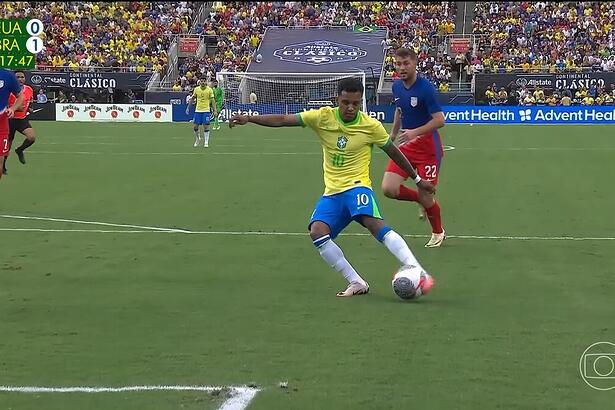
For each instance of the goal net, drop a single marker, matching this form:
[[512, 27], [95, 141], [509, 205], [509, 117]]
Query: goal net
[[279, 93]]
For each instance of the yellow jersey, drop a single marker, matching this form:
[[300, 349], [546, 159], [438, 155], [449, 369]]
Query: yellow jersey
[[346, 146], [203, 98]]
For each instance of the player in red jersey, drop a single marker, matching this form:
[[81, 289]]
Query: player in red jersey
[[20, 122], [420, 115], [8, 85]]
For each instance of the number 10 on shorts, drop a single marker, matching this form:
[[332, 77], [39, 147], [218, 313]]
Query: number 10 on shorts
[[362, 199]]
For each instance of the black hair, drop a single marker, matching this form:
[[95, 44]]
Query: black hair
[[19, 71], [350, 85]]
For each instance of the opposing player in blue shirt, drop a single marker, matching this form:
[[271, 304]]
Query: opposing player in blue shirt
[[419, 115], [8, 85]]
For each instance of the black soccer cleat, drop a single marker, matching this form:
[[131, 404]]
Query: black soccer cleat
[[20, 155]]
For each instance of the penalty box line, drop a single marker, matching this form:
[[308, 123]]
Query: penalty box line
[[240, 396]]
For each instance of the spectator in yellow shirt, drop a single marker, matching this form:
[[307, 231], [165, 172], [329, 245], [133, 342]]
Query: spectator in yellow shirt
[[539, 96]]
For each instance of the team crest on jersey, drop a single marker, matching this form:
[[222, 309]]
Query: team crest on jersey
[[414, 101], [341, 142]]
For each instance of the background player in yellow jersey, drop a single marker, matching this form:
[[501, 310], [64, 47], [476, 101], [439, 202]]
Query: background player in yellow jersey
[[347, 136], [204, 96]]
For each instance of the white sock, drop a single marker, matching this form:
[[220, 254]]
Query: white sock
[[334, 256], [398, 247], [196, 135], [207, 137]]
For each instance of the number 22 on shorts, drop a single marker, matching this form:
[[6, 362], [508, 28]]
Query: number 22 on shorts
[[431, 171]]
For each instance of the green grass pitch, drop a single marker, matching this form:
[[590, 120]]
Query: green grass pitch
[[504, 328]]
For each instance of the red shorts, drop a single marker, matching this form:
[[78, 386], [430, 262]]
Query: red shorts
[[427, 166], [4, 135]]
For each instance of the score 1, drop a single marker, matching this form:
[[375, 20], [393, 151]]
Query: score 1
[[34, 44]]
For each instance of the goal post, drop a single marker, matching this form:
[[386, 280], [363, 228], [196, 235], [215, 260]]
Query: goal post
[[280, 93]]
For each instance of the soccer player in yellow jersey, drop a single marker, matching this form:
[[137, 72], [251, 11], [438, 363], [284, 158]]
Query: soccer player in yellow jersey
[[347, 136], [204, 96]]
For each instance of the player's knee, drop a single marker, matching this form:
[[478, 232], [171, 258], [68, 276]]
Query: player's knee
[[427, 200], [390, 190], [318, 230], [196, 128]]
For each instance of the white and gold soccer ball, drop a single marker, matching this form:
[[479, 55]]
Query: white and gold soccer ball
[[411, 282]]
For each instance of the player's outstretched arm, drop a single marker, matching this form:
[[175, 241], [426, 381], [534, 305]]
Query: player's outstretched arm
[[268, 120], [400, 159]]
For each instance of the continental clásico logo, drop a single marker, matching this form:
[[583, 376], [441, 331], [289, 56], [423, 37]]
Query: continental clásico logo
[[319, 52]]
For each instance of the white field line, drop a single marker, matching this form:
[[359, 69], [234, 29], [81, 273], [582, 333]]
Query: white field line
[[75, 221], [239, 399], [305, 234], [75, 230], [155, 229]]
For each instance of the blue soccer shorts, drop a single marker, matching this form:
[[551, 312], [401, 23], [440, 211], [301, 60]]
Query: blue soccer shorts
[[201, 118], [339, 210]]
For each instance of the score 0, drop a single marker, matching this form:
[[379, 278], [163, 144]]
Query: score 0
[[34, 28]]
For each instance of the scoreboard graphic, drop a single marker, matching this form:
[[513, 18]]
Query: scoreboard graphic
[[20, 42]]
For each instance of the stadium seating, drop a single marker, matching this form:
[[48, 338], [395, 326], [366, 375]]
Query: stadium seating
[[544, 36], [240, 27], [82, 36]]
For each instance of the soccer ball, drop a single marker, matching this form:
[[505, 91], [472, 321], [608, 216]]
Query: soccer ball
[[411, 282]]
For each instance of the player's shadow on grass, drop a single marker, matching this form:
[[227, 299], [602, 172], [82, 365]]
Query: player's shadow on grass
[[423, 300]]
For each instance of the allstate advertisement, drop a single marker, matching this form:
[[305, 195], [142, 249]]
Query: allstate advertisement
[[454, 114]]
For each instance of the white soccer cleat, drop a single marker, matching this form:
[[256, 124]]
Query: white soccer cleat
[[197, 143], [436, 240], [205, 145], [354, 288]]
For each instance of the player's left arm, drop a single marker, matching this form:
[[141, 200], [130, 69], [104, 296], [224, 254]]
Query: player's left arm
[[400, 159], [382, 140], [267, 120]]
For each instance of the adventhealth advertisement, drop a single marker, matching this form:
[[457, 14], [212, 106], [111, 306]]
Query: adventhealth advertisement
[[114, 112], [530, 115], [454, 114]]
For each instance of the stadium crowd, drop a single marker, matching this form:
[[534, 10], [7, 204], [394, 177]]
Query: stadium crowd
[[540, 96], [240, 26], [544, 36], [513, 36], [81, 36]]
